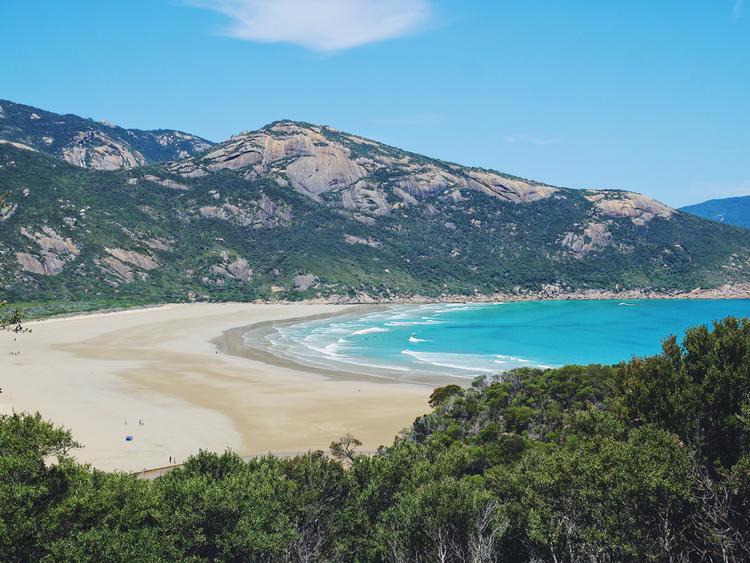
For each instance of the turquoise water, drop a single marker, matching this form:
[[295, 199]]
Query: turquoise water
[[466, 340]]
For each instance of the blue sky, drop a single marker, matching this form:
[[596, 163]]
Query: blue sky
[[636, 94]]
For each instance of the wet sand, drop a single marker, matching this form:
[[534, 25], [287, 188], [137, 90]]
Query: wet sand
[[171, 368]]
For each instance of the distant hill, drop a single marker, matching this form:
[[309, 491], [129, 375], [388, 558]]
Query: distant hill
[[93, 144], [295, 210], [730, 210]]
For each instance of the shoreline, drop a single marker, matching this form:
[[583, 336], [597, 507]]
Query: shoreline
[[550, 293], [557, 293], [232, 342], [184, 370], [103, 375]]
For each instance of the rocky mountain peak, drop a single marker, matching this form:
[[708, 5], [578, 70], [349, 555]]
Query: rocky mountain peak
[[366, 177], [296, 210], [93, 144]]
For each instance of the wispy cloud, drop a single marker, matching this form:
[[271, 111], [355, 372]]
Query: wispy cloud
[[320, 25], [737, 9], [530, 140]]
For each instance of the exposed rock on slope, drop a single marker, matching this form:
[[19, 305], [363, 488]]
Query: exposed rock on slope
[[595, 236], [125, 265], [17, 145], [303, 282], [92, 149], [638, 208], [295, 210], [264, 213], [238, 269], [93, 144], [132, 257], [359, 175], [54, 252]]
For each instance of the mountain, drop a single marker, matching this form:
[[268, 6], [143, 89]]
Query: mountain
[[295, 210], [730, 210], [93, 144]]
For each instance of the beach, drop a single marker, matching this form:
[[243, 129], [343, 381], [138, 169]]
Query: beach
[[162, 376]]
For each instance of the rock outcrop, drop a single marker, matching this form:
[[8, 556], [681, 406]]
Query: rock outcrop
[[93, 149], [54, 252], [7, 211], [116, 268], [296, 211], [640, 209], [368, 179], [17, 145], [125, 266], [303, 282], [595, 236], [93, 144], [166, 182], [236, 269], [263, 213], [134, 258], [351, 239]]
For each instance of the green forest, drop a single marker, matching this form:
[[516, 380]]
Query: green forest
[[176, 236], [648, 460]]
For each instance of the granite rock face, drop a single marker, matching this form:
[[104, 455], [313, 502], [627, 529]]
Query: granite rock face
[[93, 144], [264, 213], [595, 236], [640, 209], [52, 254], [365, 177], [303, 282], [92, 149], [295, 210]]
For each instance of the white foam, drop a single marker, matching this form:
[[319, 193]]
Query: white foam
[[466, 362], [427, 321], [511, 358], [370, 330], [415, 340]]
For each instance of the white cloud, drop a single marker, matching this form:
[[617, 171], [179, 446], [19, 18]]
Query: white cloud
[[320, 25]]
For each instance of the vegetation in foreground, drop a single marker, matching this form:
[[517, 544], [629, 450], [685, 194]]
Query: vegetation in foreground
[[645, 461]]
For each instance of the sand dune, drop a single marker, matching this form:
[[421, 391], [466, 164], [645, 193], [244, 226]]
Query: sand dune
[[100, 374]]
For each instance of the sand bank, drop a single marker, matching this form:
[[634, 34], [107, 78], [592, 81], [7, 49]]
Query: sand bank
[[101, 374]]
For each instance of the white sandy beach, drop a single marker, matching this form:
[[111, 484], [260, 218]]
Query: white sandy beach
[[99, 374]]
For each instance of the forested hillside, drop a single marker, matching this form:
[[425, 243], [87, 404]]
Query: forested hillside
[[92, 144], [644, 461], [730, 210], [298, 211]]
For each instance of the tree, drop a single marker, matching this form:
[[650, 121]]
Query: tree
[[36, 473], [345, 448], [583, 463], [696, 391], [442, 394], [9, 320], [619, 497]]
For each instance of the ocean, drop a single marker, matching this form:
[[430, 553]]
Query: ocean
[[409, 342]]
